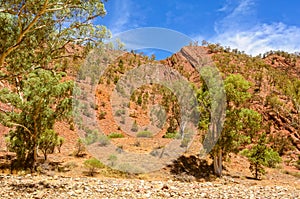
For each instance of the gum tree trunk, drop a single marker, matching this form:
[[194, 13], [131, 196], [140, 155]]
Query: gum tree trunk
[[218, 163]]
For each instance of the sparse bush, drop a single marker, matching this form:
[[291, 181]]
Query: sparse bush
[[80, 148], [94, 106], [102, 115], [173, 135], [47, 142], [119, 149], [112, 158], [116, 79], [72, 126], [118, 113], [134, 127], [139, 100], [60, 142], [116, 135], [92, 165], [91, 137], [144, 134], [103, 140], [154, 153], [185, 141]]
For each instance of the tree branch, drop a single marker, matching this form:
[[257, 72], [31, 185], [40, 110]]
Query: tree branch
[[22, 34], [20, 125]]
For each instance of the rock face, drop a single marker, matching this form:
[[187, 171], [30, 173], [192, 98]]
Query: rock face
[[269, 97], [61, 187]]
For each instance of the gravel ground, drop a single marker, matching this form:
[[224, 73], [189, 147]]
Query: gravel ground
[[66, 187]]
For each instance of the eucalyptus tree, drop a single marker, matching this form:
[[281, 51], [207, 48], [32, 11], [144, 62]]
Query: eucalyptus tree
[[33, 41], [240, 123]]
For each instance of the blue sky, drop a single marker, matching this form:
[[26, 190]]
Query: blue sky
[[253, 26]]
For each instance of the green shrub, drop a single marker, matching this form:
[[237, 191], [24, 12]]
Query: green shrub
[[103, 140], [92, 165], [261, 155], [47, 142], [112, 158], [139, 100], [60, 141], [80, 148], [116, 135], [102, 115], [144, 134], [173, 135], [272, 158], [91, 137]]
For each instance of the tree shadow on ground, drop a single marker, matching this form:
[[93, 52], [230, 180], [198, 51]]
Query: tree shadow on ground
[[191, 168]]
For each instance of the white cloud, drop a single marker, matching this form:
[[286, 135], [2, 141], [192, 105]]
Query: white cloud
[[262, 38], [240, 29], [121, 16], [238, 16]]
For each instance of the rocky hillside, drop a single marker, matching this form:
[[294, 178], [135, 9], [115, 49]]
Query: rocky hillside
[[275, 85], [275, 78]]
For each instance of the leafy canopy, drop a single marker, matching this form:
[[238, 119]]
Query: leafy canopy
[[38, 39], [34, 33]]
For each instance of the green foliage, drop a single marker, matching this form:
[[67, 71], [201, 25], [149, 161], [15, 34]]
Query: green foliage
[[102, 115], [144, 134], [47, 142], [249, 121], [60, 142], [35, 33], [44, 100], [112, 158], [93, 165], [139, 100], [236, 87], [240, 124], [280, 143], [173, 135], [33, 41], [204, 106], [79, 148], [260, 155], [272, 158], [91, 137], [116, 135]]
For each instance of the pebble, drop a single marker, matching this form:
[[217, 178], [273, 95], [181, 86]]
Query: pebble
[[30, 186]]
